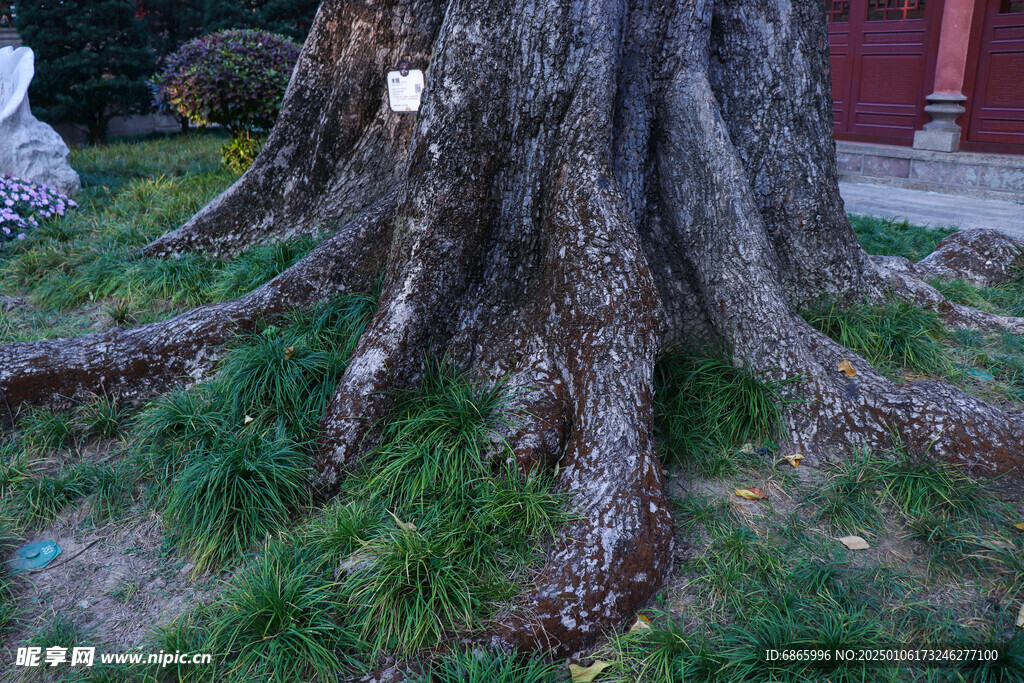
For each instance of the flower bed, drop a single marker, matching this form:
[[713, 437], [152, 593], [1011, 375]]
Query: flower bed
[[24, 205]]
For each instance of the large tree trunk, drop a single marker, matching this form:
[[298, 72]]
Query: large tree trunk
[[351, 150], [584, 182]]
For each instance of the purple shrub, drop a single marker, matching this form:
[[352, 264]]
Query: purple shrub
[[234, 78], [24, 205]]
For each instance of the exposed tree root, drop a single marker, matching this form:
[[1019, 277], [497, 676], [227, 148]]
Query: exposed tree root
[[982, 257], [603, 566], [986, 257], [144, 360], [539, 427], [735, 266], [872, 412]]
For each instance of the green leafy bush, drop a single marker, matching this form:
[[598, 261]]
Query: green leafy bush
[[239, 153], [234, 78]]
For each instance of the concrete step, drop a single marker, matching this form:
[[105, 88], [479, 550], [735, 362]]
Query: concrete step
[[966, 174], [8, 36]]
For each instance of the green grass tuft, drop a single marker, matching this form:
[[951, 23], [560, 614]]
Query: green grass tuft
[[924, 485], [256, 265], [60, 630], [103, 417], [112, 485], [413, 588], [46, 430], [16, 469], [9, 611], [235, 492], [849, 498], [345, 527], [189, 632], [705, 405], [229, 455], [665, 652], [278, 621], [41, 498], [897, 238], [436, 438], [894, 337], [176, 423], [1008, 667], [1005, 299], [437, 531], [465, 666]]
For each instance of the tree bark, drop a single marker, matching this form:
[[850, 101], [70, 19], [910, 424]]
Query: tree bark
[[351, 150], [583, 182]]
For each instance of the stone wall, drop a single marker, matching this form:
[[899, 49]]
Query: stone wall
[[987, 176], [75, 135]]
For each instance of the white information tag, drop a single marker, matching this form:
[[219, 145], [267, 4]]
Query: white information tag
[[404, 92]]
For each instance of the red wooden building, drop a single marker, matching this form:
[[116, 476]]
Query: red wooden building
[[940, 75]]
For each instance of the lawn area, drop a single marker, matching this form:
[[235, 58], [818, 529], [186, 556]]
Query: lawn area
[[187, 523]]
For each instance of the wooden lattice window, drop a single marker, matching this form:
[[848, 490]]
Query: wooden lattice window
[[895, 10], [838, 10], [1011, 7]]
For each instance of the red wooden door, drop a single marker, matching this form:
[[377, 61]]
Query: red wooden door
[[841, 58], [997, 107], [883, 61]]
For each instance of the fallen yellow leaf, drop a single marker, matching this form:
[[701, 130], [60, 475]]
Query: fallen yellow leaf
[[1020, 617], [1020, 526], [587, 674], [289, 351], [847, 367], [751, 494], [405, 526], [854, 542], [794, 459], [642, 624]]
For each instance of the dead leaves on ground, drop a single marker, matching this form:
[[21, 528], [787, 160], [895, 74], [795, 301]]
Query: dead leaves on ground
[[404, 526], [586, 674], [794, 459], [642, 623], [847, 367], [751, 494], [854, 542]]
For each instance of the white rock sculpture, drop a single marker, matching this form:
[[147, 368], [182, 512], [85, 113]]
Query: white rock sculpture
[[29, 149]]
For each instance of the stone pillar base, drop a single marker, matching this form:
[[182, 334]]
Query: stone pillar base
[[941, 134]]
